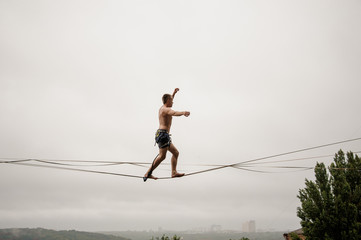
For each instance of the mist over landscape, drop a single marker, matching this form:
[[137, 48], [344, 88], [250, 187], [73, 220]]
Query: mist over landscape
[[81, 84]]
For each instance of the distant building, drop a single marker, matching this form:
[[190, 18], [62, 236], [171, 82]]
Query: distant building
[[249, 226], [216, 228], [298, 232]]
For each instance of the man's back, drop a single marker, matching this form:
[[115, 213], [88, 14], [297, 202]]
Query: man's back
[[165, 118]]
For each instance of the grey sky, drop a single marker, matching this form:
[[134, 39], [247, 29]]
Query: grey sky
[[84, 80]]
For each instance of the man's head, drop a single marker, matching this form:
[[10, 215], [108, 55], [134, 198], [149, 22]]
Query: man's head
[[167, 100]]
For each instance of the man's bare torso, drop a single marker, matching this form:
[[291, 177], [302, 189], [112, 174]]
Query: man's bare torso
[[165, 119]]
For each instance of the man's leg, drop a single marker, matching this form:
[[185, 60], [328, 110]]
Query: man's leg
[[161, 156], [174, 161]]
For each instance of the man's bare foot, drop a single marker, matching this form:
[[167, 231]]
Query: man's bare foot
[[177, 174], [146, 176], [152, 177]]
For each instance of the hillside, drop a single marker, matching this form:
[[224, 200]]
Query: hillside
[[44, 234], [143, 235]]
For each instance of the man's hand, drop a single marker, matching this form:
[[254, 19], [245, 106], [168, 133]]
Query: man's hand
[[187, 113]]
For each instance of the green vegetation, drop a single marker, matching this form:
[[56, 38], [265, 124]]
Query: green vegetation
[[331, 205], [164, 237], [141, 235], [43, 234], [294, 236]]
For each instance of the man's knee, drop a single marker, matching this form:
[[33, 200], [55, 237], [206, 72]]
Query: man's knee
[[161, 157]]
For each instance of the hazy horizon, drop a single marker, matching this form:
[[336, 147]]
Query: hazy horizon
[[84, 80]]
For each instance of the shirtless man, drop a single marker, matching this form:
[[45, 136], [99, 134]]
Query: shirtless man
[[162, 136]]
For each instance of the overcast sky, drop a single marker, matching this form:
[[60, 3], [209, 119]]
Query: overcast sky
[[84, 80]]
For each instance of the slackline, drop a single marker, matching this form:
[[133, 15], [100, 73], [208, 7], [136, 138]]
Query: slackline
[[245, 165]]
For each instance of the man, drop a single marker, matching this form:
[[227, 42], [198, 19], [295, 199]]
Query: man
[[162, 136]]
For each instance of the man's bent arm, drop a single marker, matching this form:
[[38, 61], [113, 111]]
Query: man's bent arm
[[175, 91]]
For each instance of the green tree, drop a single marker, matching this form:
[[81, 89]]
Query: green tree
[[294, 236], [331, 205], [164, 237], [175, 237]]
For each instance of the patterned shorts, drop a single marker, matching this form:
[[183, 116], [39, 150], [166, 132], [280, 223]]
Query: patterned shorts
[[162, 138]]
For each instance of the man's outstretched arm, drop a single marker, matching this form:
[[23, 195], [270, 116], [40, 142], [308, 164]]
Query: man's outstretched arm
[[177, 114]]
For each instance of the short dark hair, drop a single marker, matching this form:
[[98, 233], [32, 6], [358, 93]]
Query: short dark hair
[[165, 98]]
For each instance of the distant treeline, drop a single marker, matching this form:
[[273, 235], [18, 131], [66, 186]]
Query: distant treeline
[[44, 234], [143, 235]]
